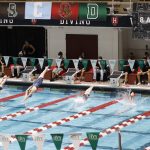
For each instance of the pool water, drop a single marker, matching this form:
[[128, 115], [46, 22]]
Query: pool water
[[134, 137]]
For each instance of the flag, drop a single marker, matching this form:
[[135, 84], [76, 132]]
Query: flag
[[38, 10], [93, 62], [65, 10], [24, 60], [131, 63], [22, 141], [41, 61], [112, 63], [93, 11], [4, 139], [58, 62], [75, 137], [6, 58], [76, 61], [57, 139]]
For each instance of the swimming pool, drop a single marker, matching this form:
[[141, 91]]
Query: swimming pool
[[134, 137]]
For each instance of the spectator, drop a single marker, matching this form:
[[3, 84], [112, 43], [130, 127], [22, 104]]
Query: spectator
[[60, 55], [2, 66], [28, 49], [143, 71], [146, 55], [131, 56]]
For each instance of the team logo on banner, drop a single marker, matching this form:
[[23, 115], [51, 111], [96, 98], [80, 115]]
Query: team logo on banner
[[114, 20], [12, 11], [131, 63], [65, 10], [38, 10]]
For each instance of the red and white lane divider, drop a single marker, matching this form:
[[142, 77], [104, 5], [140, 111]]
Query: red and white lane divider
[[32, 109], [5, 99], [68, 119], [147, 148], [113, 128]]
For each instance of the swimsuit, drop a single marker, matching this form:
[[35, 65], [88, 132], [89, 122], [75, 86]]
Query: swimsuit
[[38, 82]]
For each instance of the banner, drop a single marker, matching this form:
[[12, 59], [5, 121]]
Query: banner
[[50, 61], [76, 61], [65, 10], [93, 139], [85, 63], [6, 58], [15, 60], [75, 137], [93, 11], [148, 60], [66, 63], [121, 64], [112, 63], [24, 61], [102, 63], [41, 61], [22, 141], [57, 139], [39, 140], [131, 63], [38, 10], [32, 61], [58, 62], [93, 63], [4, 139]]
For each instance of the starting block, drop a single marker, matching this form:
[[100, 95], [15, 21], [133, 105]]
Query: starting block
[[115, 78]]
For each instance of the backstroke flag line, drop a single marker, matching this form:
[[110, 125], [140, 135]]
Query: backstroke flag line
[[93, 62], [131, 63], [24, 61], [6, 58], [112, 63], [4, 139], [76, 61], [22, 141]]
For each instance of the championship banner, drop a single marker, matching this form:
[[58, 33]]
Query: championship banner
[[93, 139], [57, 139], [24, 60], [4, 139], [41, 61], [58, 62], [112, 63], [39, 140], [12, 10], [22, 141], [76, 61], [93, 63], [38, 10], [93, 11], [131, 63], [6, 58], [75, 137], [65, 10]]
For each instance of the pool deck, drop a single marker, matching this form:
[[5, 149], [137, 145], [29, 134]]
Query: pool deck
[[83, 85]]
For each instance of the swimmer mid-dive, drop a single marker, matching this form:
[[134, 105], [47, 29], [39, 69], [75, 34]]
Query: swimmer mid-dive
[[87, 93], [36, 84], [3, 81]]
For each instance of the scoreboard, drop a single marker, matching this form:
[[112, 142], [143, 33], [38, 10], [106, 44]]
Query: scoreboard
[[141, 20]]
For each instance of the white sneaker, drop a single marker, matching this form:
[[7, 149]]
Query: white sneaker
[[139, 83]]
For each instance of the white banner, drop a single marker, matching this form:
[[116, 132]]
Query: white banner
[[41, 61], [24, 61], [6, 58], [58, 62], [76, 61], [39, 140], [93, 63], [4, 139], [38, 10], [75, 137], [131, 63], [112, 63], [148, 60]]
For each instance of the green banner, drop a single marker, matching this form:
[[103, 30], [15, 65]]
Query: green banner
[[85, 63], [93, 139], [50, 62], [141, 63], [32, 61], [15, 60], [66, 63], [22, 141], [57, 139], [122, 62], [103, 63], [94, 11]]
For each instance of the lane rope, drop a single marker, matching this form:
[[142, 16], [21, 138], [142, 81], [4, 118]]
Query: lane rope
[[68, 119], [113, 129], [32, 109]]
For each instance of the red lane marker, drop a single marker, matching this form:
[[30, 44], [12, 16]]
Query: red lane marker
[[36, 108], [114, 128], [5, 99]]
